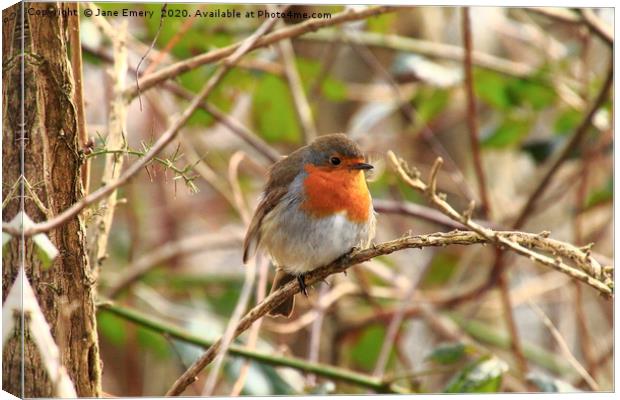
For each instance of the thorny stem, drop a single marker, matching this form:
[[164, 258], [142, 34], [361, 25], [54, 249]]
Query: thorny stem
[[167, 163]]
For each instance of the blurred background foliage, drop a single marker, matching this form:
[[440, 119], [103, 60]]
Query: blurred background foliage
[[524, 118]]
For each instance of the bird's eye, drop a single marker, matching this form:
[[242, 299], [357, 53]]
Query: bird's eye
[[334, 160]]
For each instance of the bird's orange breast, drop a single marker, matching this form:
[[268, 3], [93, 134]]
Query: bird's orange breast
[[330, 191]]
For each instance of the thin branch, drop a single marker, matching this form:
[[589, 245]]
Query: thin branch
[[386, 206], [233, 179], [78, 98], [159, 145], [302, 107], [165, 162], [243, 132], [427, 48], [156, 257], [410, 115], [557, 14], [148, 51], [515, 340], [117, 125], [324, 303], [563, 154], [489, 335], [396, 323], [564, 347], [598, 27], [288, 32], [261, 292], [229, 333], [472, 120], [325, 370], [595, 276]]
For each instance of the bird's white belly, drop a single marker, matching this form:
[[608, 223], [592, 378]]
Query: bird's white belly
[[299, 243]]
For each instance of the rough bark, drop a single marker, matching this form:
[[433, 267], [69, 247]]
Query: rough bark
[[52, 159]]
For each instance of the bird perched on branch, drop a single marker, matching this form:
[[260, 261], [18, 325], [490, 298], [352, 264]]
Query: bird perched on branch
[[315, 208]]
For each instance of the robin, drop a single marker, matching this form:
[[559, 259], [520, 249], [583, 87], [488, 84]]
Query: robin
[[315, 208]]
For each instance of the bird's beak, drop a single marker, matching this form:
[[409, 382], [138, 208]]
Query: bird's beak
[[361, 166]]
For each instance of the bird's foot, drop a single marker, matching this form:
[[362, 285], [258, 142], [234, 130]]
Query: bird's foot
[[302, 284], [346, 256]]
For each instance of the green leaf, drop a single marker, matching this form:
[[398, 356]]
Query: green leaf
[[504, 93], [154, 341], [509, 133], [567, 122], [273, 111], [490, 87], [334, 89], [533, 92], [441, 269], [601, 195], [539, 149], [112, 328], [449, 353], [383, 23], [481, 376], [368, 346], [429, 102]]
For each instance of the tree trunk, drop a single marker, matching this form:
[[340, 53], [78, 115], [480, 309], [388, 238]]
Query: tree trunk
[[52, 160]]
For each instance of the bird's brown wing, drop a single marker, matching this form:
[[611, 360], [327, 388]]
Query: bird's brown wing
[[281, 175], [252, 237]]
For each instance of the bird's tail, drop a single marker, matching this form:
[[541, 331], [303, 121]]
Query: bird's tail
[[285, 309]]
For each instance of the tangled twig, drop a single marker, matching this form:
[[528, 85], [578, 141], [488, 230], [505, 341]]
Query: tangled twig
[[586, 269]]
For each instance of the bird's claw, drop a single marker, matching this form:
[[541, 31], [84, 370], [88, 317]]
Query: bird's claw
[[302, 284]]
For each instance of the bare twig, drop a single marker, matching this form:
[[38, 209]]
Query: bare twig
[[472, 120], [78, 98], [501, 241], [427, 48], [288, 32], [557, 14], [563, 154], [387, 206], [396, 323], [556, 162], [243, 132], [261, 292], [598, 27], [117, 124], [233, 179], [178, 35], [154, 258], [151, 47], [564, 347], [302, 107], [515, 340], [410, 115], [229, 333], [324, 303]]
